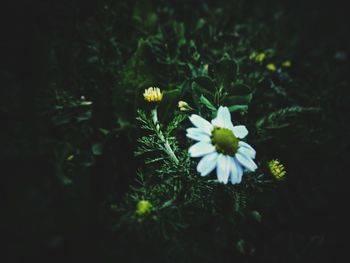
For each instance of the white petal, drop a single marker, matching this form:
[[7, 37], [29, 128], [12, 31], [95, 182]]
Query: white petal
[[201, 148], [218, 122], [198, 135], [239, 170], [246, 161], [246, 145], [246, 151], [223, 168], [240, 131], [207, 164], [225, 115], [223, 118], [201, 123], [193, 130], [233, 171]]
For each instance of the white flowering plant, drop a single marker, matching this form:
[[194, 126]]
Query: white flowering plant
[[193, 126], [199, 160], [174, 131], [203, 146]]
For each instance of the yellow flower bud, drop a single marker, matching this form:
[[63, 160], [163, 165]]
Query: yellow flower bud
[[153, 94], [252, 55], [271, 67], [143, 207], [260, 57], [183, 106], [286, 64], [277, 169]]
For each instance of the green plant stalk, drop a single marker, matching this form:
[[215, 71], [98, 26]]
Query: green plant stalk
[[167, 147]]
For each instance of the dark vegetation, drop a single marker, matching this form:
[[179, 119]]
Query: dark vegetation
[[66, 163]]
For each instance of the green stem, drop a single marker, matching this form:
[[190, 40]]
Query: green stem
[[167, 147]]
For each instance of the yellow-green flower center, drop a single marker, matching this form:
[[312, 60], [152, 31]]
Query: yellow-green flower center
[[224, 141]]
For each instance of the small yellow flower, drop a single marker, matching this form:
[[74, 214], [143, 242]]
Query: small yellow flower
[[257, 57], [153, 94], [183, 106], [277, 169], [271, 67], [286, 64], [252, 55], [260, 57], [143, 207]]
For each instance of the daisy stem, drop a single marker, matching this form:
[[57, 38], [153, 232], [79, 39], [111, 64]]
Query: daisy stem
[[167, 147]]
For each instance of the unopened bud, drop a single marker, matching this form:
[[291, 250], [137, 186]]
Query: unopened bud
[[183, 106]]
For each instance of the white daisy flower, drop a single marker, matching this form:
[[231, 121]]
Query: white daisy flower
[[219, 146]]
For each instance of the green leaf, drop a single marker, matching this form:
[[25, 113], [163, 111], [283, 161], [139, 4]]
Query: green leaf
[[97, 148], [240, 89], [171, 94], [84, 116], [170, 97], [207, 103], [198, 90], [240, 246], [65, 180], [86, 103], [174, 123], [241, 95], [244, 247], [192, 71], [167, 203], [240, 99], [256, 216], [87, 160], [205, 82], [243, 108], [201, 22], [104, 131]]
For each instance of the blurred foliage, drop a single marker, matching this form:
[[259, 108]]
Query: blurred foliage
[[73, 74]]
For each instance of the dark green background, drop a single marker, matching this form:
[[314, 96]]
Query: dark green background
[[43, 45]]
